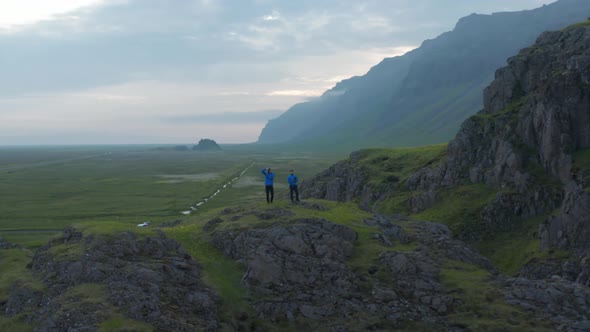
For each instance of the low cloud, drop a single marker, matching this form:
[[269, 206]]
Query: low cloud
[[298, 93], [227, 117], [128, 68]]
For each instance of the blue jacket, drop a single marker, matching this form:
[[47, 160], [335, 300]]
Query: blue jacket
[[268, 177], [292, 179]]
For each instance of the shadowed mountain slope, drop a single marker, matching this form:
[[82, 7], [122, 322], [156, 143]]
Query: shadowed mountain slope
[[423, 96]]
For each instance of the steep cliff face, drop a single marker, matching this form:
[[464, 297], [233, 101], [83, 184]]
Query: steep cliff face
[[345, 181], [536, 116], [524, 143], [423, 96]]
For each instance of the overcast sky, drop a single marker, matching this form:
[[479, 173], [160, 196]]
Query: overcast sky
[[163, 71]]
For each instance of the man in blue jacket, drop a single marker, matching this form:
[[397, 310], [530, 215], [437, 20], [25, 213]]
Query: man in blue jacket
[[293, 185], [269, 177]]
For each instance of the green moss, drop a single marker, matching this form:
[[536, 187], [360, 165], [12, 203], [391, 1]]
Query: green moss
[[31, 239], [219, 272], [96, 294], [510, 251], [511, 110], [458, 207], [388, 169], [481, 306], [542, 177], [366, 248], [387, 166], [581, 166], [67, 252], [398, 203], [347, 214], [15, 324], [224, 274], [13, 268], [119, 323], [584, 24], [86, 293]]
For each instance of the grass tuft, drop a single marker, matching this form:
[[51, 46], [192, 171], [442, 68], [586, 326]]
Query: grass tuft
[[480, 306], [13, 268], [120, 323], [387, 166], [459, 207]]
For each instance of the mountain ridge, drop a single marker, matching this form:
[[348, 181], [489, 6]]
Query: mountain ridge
[[522, 163], [421, 97]]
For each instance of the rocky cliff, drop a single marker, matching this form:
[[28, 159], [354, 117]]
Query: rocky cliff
[[378, 272], [318, 266], [536, 117], [423, 96], [527, 146]]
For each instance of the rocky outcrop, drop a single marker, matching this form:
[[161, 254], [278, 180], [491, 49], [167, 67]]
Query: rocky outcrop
[[565, 303], [8, 245], [345, 181], [299, 269], [535, 117], [575, 269], [570, 230], [150, 279], [341, 182]]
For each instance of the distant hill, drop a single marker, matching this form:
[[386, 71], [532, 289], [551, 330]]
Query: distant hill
[[423, 96], [206, 144]]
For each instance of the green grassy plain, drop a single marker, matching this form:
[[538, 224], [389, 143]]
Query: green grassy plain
[[128, 184], [109, 189], [116, 188]]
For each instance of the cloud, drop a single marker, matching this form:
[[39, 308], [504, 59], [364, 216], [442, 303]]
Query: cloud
[[226, 117], [125, 66], [272, 17], [298, 93]]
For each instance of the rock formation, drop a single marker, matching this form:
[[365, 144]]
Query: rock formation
[[206, 144], [298, 269], [152, 280], [536, 116]]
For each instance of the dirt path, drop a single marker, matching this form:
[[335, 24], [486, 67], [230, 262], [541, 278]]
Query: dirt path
[[218, 191]]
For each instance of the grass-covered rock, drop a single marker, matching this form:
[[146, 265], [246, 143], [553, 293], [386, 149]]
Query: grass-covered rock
[[323, 265], [94, 281]]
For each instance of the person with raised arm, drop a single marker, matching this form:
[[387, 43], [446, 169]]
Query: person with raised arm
[[269, 177]]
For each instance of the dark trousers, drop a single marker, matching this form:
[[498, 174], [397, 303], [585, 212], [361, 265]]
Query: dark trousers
[[270, 194], [293, 189]]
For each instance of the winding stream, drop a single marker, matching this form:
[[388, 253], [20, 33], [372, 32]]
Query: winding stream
[[218, 191]]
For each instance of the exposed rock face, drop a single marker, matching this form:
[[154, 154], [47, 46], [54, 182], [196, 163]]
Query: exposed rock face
[[571, 229], [574, 269], [299, 270], [151, 280], [422, 97], [564, 302], [7, 245], [343, 182], [536, 116]]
